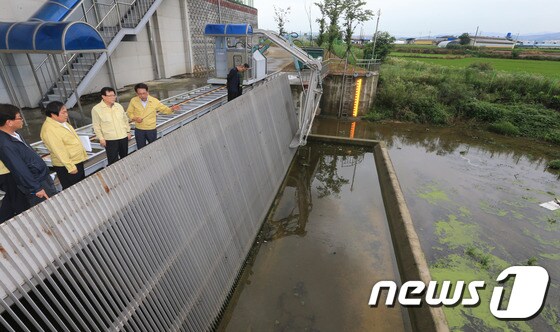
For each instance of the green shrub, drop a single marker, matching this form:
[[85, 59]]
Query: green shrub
[[504, 128], [515, 104], [377, 115], [553, 136], [554, 164], [483, 66], [485, 111]]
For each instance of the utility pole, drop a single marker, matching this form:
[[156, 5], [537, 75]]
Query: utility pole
[[475, 34], [375, 35]]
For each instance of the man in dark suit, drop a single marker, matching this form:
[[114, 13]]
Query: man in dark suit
[[234, 81], [29, 171]]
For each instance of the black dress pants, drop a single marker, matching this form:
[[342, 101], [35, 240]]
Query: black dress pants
[[115, 149], [15, 201], [66, 179]]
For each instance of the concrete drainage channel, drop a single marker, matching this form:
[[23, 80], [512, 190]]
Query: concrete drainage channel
[[338, 225]]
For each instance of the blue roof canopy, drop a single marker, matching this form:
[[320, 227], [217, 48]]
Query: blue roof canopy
[[49, 37], [225, 30], [54, 10]]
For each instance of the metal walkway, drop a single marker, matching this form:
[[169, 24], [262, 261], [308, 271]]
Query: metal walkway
[[194, 104]]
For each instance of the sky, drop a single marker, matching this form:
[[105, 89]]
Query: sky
[[409, 18]]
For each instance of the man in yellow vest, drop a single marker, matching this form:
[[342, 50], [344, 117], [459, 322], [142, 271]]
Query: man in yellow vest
[[67, 152], [143, 110], [111, 126]]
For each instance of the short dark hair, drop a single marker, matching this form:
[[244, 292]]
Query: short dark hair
[[7, 112], [140, 86], [246, 65], [53, 107], [107, 89]]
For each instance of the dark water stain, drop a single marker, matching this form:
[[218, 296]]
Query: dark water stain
[[474, 199], [322, 248]]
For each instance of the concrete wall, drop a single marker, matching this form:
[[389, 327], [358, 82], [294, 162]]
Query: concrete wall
[[332, 93], [409, 254], [15, 11], [162, 234]]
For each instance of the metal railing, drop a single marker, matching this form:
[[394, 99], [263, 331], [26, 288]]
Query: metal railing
[[52, 74], [155, 241]]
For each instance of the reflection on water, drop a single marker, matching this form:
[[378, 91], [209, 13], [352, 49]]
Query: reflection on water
[[324, 245], [474, 199], [296, 202]]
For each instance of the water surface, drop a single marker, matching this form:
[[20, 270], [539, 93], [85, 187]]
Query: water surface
[[474, 198]]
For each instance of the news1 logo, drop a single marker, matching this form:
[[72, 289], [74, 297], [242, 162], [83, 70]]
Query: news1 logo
[[525, 300]]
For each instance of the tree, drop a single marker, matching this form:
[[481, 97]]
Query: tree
[[465, 39], [383, 46], [280, 18], [321, 37], [332, 9], [354, 14]]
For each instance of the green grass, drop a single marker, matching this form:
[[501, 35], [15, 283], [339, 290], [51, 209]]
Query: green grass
[[413, 46], [422, 55], [550, 69]]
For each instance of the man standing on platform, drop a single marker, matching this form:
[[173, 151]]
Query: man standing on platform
[[67, 152], [234, 81], [143, 110], [14, 201], [29, 171], [111, 126]]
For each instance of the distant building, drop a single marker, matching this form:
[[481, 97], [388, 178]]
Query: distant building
[[421, 41], [482, 41], [440, 39], [445, 43]]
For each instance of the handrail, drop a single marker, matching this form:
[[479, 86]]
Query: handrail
[[112, 13]]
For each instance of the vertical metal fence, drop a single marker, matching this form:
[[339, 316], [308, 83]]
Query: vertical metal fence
[[154, 242]]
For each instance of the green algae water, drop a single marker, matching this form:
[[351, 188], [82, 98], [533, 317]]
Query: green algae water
[[474, 198]]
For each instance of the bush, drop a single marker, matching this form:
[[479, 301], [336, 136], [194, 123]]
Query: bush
[[554, 164], [483, 66], [484, 111], [504, 128], [377, 116], [553, 136], [514, 104]]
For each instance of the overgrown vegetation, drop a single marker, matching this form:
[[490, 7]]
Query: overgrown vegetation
[[554, 164], [510, 104], [383, 47]]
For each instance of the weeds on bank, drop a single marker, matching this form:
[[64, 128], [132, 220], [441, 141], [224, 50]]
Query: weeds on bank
[[509, 104]]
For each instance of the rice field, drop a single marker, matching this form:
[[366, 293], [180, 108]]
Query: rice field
[[549, 69]]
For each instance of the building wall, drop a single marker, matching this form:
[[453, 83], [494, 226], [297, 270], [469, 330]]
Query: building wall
[[210, 12], [177, 33], [15, 11]]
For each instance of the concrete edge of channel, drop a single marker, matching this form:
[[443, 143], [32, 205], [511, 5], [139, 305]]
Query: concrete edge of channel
[[410, 256]]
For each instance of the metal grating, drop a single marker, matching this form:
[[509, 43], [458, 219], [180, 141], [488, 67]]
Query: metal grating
[[155, 241]]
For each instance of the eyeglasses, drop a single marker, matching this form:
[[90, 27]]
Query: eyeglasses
[[110, 95]]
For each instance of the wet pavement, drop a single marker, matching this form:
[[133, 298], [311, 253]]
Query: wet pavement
[[325, 244]]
